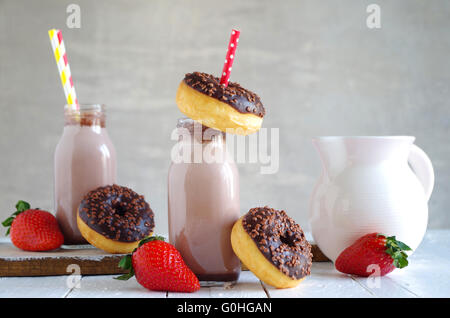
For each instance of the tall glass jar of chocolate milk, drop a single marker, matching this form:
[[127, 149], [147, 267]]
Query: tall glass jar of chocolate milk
[[85, 159], [203, 190]]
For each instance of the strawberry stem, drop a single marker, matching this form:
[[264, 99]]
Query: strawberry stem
[[151, 238], [21, 206], [396, 249], [127, 261]]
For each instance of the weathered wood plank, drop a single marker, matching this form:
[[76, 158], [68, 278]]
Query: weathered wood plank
[[105, 286], [34, 287], [91, 261], [384, 287], [248, 286], [324, 281]]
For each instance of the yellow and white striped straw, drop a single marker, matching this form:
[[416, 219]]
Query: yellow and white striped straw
[[59, 50]]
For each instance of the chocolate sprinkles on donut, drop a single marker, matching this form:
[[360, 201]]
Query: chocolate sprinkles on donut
[[241, 99], [280, 240], [118, 213]]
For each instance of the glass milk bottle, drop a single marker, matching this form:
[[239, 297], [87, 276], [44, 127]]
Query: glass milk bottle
[[85, 159], [204, 203]]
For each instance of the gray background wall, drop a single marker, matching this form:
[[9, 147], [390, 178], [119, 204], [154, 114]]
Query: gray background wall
[[317, 67]]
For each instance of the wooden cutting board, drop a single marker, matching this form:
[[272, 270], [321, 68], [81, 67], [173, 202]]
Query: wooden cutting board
[[91, 261], [88, 259]]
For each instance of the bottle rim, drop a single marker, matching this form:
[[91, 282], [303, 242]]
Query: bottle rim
[[87, 107]]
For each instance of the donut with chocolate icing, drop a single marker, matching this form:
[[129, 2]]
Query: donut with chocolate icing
[[272, 246], [115, 219], [201, 97]]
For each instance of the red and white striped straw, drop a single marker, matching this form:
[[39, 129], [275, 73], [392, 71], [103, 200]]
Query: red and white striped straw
[[59, 51], [232, 45]]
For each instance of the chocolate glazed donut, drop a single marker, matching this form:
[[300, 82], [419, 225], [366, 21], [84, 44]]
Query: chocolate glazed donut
[[272, 246], [201, 97], [115, 219], [241, 99]]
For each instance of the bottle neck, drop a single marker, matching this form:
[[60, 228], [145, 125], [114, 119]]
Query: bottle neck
[[199, 144], [85, 115], [193, 132]]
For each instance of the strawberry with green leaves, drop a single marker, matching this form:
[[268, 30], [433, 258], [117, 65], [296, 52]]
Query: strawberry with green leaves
[[33, 229], [373, 249], [158, 266]]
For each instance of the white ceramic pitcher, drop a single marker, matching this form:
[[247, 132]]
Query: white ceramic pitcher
[[367, 186]]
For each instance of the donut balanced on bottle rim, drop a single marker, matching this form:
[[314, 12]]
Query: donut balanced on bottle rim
[[115, 218], [203, 98], [272, 246]]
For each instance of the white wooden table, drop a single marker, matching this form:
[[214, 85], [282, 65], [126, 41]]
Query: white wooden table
[[428, 275]]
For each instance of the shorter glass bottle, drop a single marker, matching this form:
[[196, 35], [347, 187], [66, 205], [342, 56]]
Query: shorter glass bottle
[[85, 159], [203, 193]]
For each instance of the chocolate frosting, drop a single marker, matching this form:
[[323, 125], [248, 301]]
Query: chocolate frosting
[[117, 213], [280, 240], [241, 99]]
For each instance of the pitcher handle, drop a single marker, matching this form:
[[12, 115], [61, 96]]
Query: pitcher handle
[[421, 165]]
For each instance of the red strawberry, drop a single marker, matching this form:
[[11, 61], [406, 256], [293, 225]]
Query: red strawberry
[[159, 266], [33, 229], [373, 249]]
